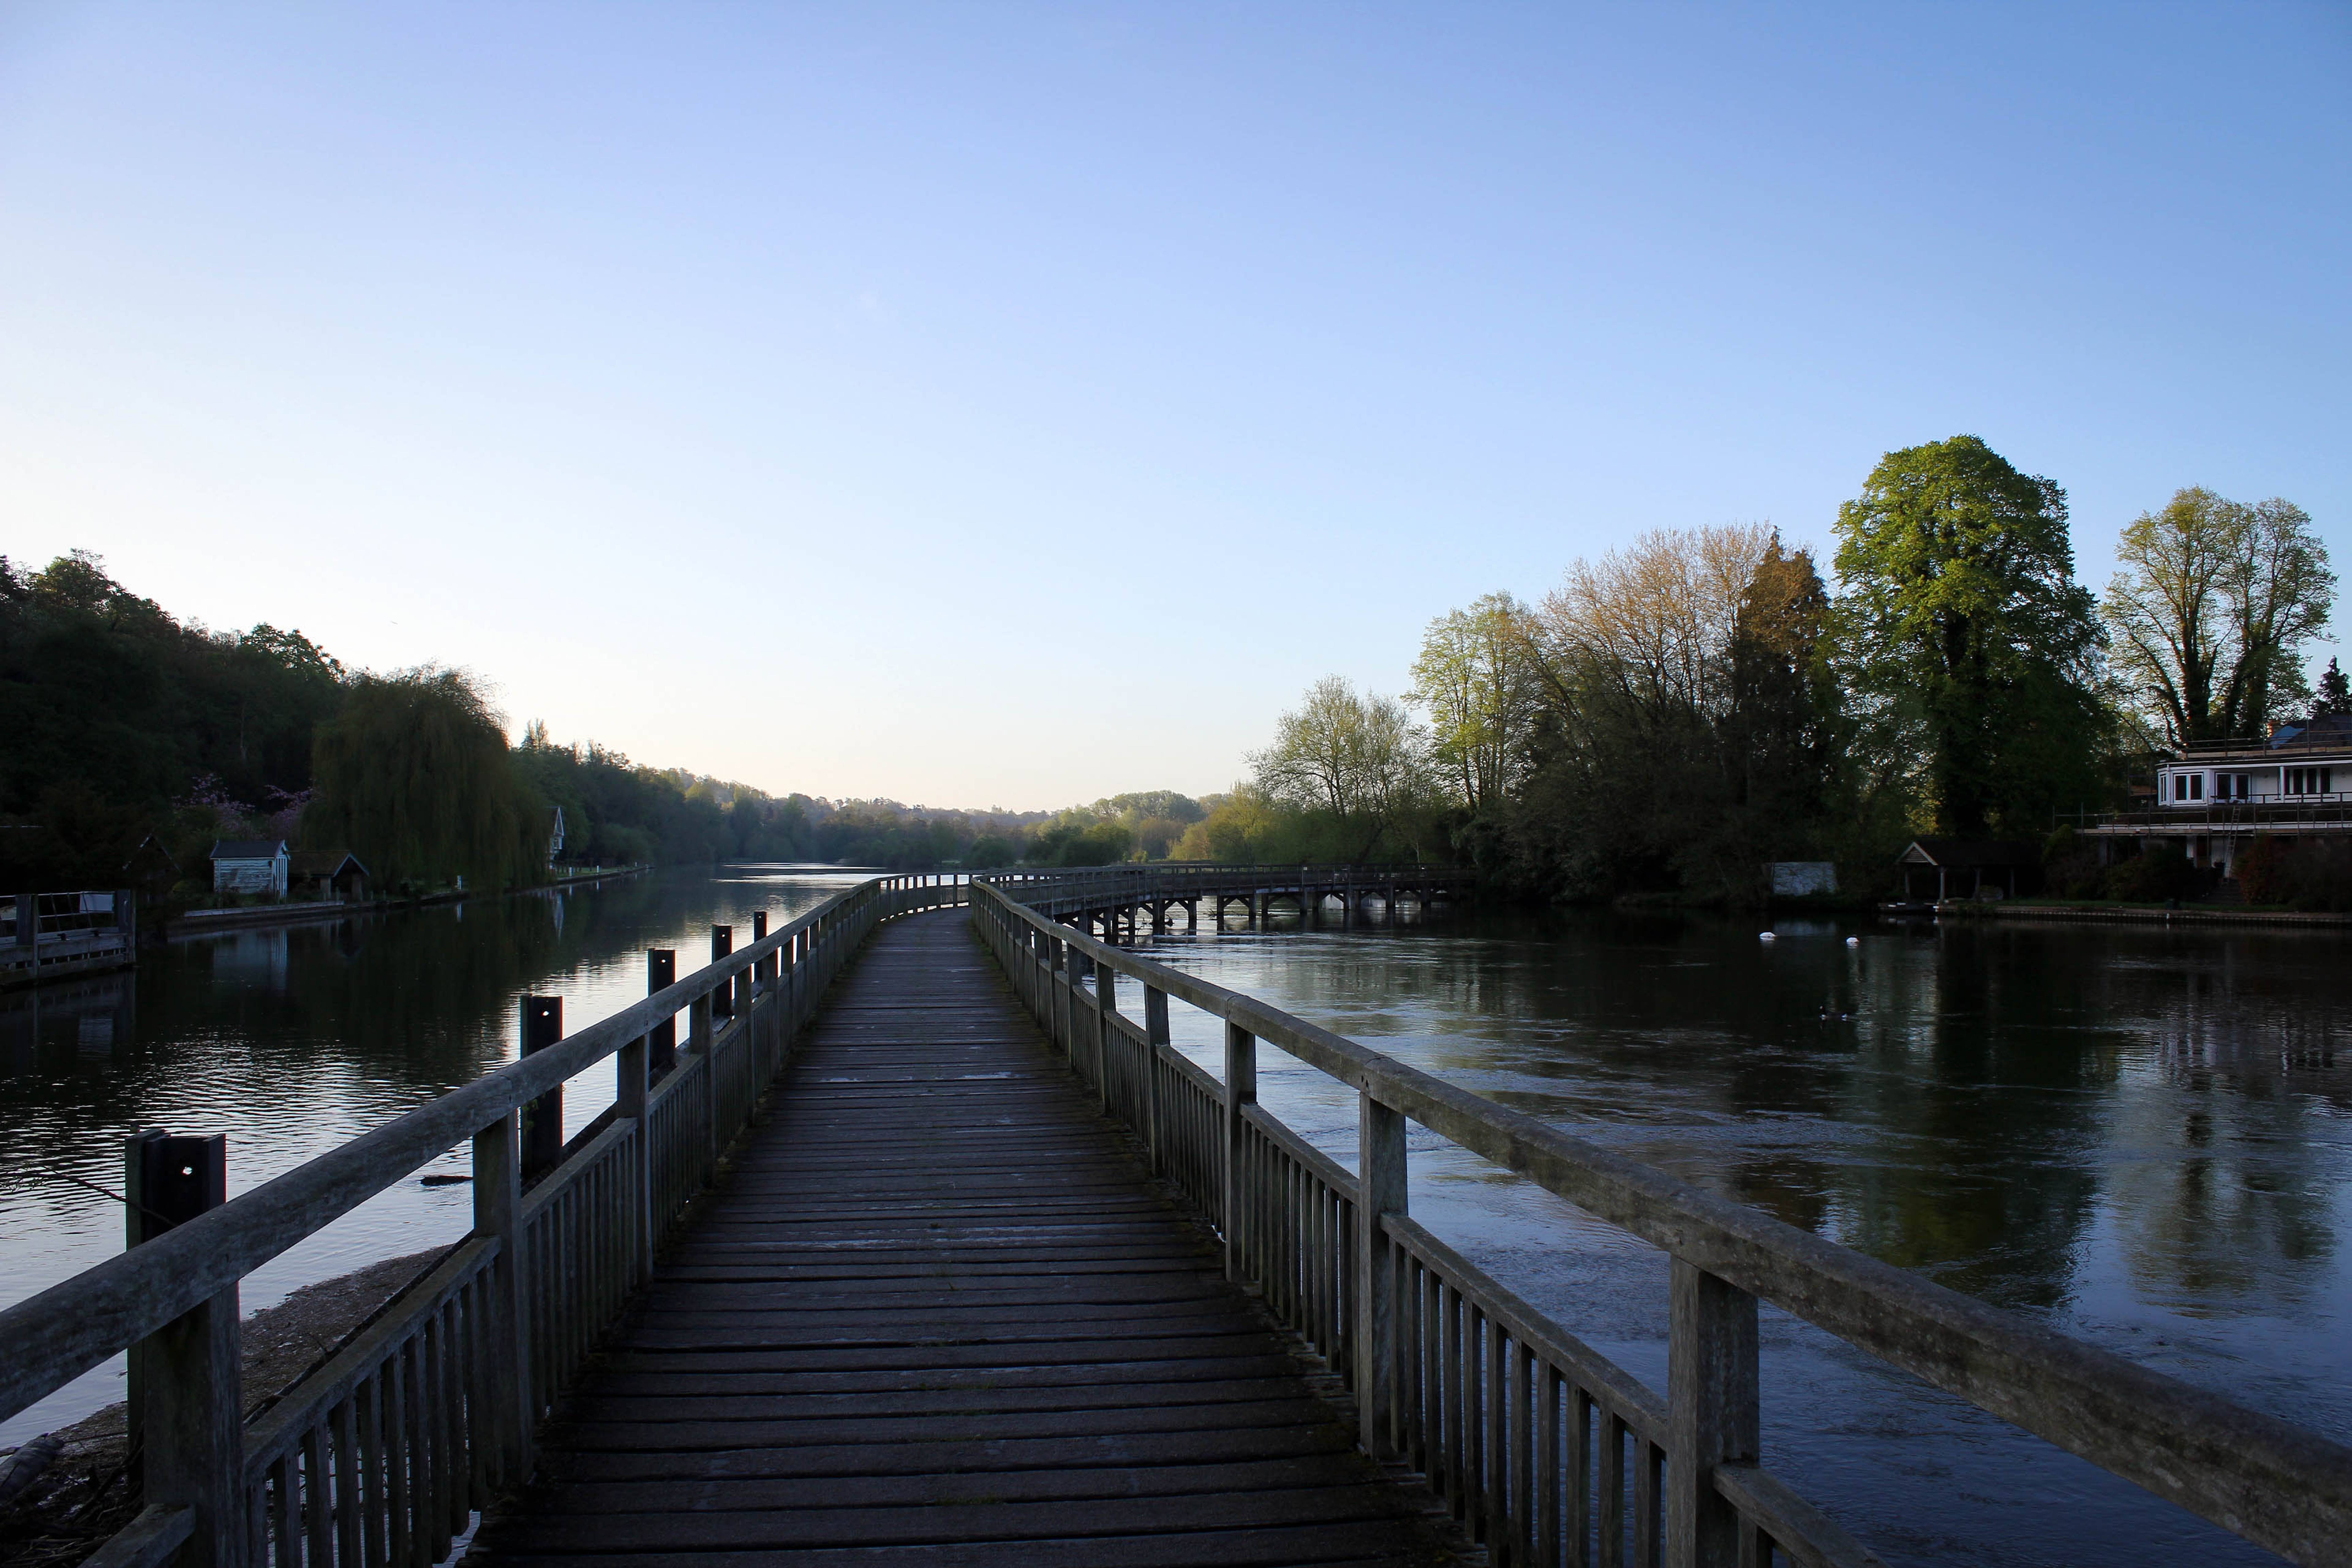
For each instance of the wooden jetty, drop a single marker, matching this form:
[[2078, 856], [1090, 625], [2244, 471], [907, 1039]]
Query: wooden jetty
[[48, 936], [935, 1304], [906, 1262]]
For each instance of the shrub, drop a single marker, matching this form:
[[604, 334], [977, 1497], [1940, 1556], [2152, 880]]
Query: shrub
[[2153, 876]]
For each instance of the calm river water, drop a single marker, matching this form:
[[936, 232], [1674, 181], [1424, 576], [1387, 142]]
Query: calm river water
[[2140, 1137]]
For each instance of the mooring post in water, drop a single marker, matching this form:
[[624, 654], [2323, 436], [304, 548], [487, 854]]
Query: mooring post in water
[[186, 1410], [723, 942], [543, 1122], [661, 1042]]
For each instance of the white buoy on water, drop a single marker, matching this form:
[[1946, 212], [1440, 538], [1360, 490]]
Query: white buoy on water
[[1853, 941], [1764, 936]]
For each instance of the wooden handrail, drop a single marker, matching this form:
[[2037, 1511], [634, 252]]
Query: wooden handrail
[[2281, 1485]]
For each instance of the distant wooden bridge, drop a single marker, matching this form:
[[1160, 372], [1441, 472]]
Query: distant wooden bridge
[[927, 1250], [1114, 901]]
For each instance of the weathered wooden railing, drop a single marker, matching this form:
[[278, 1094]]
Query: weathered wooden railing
[[1546, 1450], [376, 1457]]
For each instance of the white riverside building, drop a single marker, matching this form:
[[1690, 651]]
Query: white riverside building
[[2212, 798]]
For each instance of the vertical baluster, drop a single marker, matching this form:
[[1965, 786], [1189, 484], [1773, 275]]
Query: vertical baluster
[[393, 1397], [415, 1477], [433, 1493], [345, 1433], [317, 1500], [1525, 1395], [455, 1462], [1649, 1459], [284, 1510], [1450, 1306], [1576, 1463], [1611, 1488], [1478, 1409]]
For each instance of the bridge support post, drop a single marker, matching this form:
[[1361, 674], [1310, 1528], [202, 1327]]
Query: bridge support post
[[497, 1214], [1711, 1401], [1241, 1092], [1381, 1160]]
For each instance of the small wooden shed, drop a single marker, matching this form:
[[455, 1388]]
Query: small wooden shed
[[249, 866], [335, 876], [1940, 868]]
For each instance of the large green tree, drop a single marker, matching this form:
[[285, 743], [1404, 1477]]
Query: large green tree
[[1966, 629]]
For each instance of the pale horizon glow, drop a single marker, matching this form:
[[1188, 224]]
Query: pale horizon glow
[[1017, 405]]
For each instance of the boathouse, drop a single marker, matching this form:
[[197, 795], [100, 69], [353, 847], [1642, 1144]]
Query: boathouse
[[332, 876], [250, 866], [1941, 868]]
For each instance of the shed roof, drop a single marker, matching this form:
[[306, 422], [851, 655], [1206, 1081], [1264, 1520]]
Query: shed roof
[[324, 863], [1958, 852], [249, 848]]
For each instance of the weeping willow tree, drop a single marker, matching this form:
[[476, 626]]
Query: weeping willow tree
[[414, 776]]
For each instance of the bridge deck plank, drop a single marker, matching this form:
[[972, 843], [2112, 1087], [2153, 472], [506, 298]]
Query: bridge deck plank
[[935, 1314]]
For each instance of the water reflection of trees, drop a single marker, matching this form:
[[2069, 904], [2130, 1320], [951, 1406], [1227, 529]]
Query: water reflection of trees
[[1975, 1102]]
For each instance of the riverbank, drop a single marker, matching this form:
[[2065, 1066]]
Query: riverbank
[[263, 917], [2140, 914], [81, 1495]]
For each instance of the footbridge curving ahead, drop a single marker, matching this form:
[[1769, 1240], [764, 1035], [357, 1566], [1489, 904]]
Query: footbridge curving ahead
[[927, 1247]]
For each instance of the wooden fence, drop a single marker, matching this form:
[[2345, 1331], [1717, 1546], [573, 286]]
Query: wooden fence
[[376, 1458], [1547, 1451]]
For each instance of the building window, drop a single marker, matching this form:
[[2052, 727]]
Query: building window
[[2307, 781], [2197, 786]]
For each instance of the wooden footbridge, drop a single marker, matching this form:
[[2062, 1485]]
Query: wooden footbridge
[[930, 1248]]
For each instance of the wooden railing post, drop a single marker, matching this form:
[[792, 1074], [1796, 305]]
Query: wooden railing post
[[629, 1100], [1241, 1091], [1106, 1024], [1711, 1399], [1155, 1035], [497, 1214], [661, 973], [1379, 1191], [186, 1413], [697, 1043], [543, 1122]]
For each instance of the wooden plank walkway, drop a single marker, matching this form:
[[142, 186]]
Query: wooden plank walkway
[[936, 1314]]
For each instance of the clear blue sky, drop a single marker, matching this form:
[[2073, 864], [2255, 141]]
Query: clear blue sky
[[1012, 405]]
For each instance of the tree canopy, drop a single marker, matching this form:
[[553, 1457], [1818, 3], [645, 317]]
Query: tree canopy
[[2212, 606], [1962, 622]]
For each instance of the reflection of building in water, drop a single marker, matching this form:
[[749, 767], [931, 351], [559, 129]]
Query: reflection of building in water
[[255, 959], [91, 1016], [2222, 1202]]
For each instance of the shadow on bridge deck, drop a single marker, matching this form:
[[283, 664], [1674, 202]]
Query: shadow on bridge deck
[[937, 1313]]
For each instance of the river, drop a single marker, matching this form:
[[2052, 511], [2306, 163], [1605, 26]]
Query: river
[[2138, 1136]]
